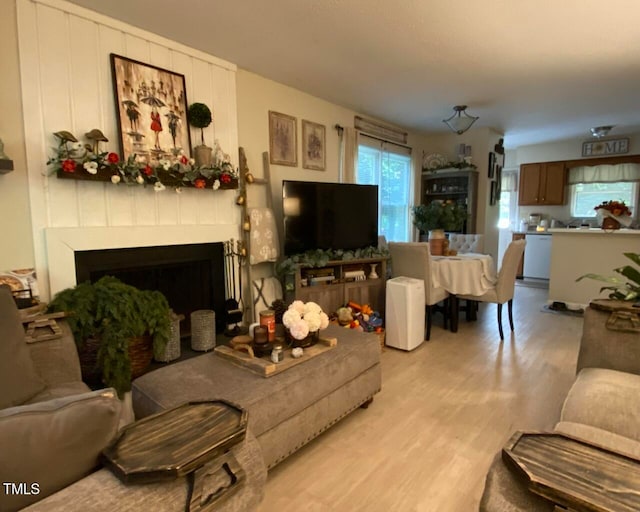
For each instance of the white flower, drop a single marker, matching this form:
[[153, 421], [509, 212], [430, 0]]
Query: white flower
[[298, 306], [290, 317], [158, 187], [311, 307], [115, 179], [216, 185], [324, 320], [192, 161], [313, 320], [91, 167], [299, 330], [181, 152], [165, 164]]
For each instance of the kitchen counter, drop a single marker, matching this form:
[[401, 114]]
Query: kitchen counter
[[575, 252], [592, 231]]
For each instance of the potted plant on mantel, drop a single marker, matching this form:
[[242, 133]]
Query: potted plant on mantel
[[116, 328], [199, 116]]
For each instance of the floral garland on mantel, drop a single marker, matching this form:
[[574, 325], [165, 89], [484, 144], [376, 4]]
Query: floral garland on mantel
[[75, 160]]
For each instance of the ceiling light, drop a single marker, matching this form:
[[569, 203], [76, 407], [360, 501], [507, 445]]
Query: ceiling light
[[460, 121], [601, 131]]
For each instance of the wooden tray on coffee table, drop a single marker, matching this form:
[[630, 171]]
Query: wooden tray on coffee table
[[264, 367], [574, 473]]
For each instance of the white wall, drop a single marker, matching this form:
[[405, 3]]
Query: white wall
[[15, 218], [66, 76]]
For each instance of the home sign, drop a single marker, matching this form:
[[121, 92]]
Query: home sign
[[605, 147]]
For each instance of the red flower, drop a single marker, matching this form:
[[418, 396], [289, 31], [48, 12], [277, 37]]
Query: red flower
[[200, 183], [184, 160], [225, 178], [113, 158], [147, 171], [69, 165]]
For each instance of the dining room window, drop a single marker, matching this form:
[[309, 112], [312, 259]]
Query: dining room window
[[388, 165]]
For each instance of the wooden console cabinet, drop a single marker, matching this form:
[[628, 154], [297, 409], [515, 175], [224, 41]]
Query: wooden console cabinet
[[331, 294], [542, 184]]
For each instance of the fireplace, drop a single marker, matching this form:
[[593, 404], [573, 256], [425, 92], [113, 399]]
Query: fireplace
[[191, 276]]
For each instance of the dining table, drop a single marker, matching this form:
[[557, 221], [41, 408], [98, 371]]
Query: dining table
[[463, 274]]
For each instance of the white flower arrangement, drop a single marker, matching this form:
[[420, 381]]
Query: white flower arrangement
[[302, 318]]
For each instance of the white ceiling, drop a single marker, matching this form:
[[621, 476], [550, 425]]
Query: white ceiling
[[535, 70]]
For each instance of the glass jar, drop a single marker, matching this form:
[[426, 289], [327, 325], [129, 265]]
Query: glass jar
[[268, 320], [277, 354]]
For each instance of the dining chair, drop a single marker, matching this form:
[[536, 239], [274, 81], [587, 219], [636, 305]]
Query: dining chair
[[466, 243], [503, 291], [413, 259]]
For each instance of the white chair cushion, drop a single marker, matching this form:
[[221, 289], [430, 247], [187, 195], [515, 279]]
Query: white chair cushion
[[466, 243]]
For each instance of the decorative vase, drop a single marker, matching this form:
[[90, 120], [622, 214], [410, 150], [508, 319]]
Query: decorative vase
[[311, 339], [203, 155], [436, 242], [373, 274], [610, 223]]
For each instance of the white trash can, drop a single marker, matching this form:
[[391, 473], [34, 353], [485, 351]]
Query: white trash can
[[405, 310]]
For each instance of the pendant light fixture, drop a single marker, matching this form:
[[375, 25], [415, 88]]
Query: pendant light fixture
[[460, 121], [600, 131]]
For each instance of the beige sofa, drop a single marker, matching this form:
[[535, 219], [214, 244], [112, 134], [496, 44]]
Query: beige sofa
[[53, 429], [602, 406]]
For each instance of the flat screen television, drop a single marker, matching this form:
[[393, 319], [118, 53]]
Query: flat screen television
[[328, 216]]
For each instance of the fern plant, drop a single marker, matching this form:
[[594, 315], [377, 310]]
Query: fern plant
[[621, 289], [114, 312]]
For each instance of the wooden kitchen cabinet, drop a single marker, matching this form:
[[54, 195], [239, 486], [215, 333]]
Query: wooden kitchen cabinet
[[542, 184]]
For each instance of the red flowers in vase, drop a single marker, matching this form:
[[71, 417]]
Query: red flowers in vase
[[69, 165]]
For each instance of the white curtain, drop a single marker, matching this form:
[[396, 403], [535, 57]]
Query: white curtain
[[604, 173], [348, 162], [509, 181]]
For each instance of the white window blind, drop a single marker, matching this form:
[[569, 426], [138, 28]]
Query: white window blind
[[388, 165]]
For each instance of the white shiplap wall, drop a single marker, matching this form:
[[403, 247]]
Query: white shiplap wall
[[67, 85]]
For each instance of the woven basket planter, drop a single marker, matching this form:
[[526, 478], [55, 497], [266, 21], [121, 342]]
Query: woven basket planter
[[203, 330], [140, 355]]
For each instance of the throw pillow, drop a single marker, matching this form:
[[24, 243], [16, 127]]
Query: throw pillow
[[47, 446], [19, 380]]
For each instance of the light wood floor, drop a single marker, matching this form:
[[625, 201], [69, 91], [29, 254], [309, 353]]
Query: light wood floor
[[444, 411]]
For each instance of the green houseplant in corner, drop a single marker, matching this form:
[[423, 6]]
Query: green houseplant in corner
[[619, 288], [113, 316]]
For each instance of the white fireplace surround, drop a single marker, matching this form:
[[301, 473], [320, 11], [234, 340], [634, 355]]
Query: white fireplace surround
[[61, 244]]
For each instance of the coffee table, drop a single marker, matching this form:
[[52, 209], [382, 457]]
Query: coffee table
[[574, 473]]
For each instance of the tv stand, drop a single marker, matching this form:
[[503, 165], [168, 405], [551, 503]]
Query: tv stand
[[341, 281]]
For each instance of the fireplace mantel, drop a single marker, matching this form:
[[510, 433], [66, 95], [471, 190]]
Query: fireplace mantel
[[61, 244]]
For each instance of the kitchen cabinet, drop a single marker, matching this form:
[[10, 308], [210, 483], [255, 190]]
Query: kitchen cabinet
[[542, 184]]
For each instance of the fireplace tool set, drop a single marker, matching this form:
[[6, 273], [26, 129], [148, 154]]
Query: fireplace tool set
[[234, 256]]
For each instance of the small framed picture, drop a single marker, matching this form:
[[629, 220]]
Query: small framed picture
[[493, 197], [282, 139], [313, 145], [492, 163]]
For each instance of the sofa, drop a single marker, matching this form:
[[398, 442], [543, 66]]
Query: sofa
[[602, 407], [53, 429]]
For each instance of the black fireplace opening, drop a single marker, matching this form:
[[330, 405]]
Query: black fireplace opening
[[191, 276]]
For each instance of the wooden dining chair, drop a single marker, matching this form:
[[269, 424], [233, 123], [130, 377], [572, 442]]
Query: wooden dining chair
[[504, 289], [411, 259]]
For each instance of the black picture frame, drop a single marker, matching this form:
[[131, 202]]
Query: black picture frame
[[151, 108], [493, 193], [492, 161]]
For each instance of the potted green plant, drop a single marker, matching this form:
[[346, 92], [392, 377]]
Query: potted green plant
[[620, 289], [439, 215], [199, 116], [122, 323]]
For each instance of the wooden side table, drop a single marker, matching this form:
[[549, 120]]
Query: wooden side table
[[574, 473], [190, 439]]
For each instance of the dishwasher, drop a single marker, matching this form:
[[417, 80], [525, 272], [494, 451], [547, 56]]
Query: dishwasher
[[537, 256]]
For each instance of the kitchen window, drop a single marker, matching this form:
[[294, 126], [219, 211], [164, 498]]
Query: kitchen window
[[591, 185], [388, 165], [585, 196]]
